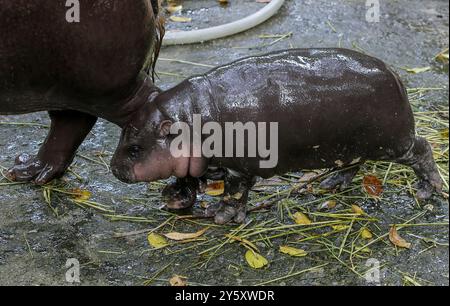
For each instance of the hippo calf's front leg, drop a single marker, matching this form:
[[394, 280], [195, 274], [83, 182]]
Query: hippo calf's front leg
[[182, 193], [68, 130]]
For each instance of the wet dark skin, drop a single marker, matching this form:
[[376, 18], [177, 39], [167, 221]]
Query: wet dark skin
[[335, 108], [78, 72]]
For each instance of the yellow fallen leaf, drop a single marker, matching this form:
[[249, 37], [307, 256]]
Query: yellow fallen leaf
[[307, 177], [255, 260], [444, 133], [180, 19], [243, 241], [366, 250], [327, 205], [185, 236], [174, 8], [443, 57], [215, 189], [339, 227], [395, 238], [293, 251], [178, 281], [237, 196], [301, 218], [365, 233], [357, 210], [81, 195], [418, 70], [157, 241], [339, 163], [204, 204]]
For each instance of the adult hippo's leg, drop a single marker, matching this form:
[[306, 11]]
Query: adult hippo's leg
[[67, 131]]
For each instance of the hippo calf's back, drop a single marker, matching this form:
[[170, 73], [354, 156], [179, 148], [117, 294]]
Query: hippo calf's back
[[332, 105]]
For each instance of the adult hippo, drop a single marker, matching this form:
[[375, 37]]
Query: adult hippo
[[77, 70]]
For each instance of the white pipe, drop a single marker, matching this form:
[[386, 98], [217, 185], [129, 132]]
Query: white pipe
[[196, 36]]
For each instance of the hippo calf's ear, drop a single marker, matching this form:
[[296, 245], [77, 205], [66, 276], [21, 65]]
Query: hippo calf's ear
[[164, 128]]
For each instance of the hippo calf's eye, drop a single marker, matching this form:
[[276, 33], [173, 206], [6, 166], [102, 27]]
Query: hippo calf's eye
[[134, 151]]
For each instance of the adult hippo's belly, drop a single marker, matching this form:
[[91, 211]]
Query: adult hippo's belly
[[78, 71]]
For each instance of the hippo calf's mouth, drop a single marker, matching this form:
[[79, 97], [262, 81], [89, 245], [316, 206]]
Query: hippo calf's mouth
[[164, 167], [124, 175]]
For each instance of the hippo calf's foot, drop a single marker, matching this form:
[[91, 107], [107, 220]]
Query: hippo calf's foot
[[233, 206], [424, 190], [182, 193], [420, 158], [68, 129], [228, 210], [341, 179]]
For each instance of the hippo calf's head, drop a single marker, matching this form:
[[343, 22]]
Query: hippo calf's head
[[143, 153]]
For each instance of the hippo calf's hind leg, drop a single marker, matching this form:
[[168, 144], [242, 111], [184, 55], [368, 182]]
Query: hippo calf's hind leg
[[420, 158], [68, 130]]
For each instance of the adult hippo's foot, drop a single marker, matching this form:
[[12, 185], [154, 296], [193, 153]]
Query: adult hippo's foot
[[68, 130], [28, 167]]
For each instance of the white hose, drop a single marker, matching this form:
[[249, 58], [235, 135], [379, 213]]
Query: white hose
[[196, 36]]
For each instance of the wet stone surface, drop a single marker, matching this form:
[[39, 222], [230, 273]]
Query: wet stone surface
[[35, 242]]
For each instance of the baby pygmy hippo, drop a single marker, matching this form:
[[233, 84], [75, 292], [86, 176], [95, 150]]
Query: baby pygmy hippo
[[299, 109]]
